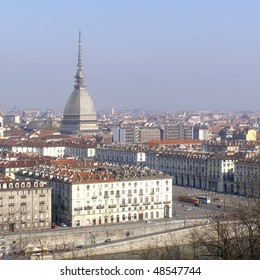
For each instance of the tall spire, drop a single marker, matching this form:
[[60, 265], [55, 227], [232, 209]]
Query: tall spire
[[79, 82]]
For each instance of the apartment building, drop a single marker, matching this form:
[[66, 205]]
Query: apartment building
[[24, 205], [246, 178], [189, 168], [192, 169], [131, 134], [122, 154], [78, 148], [177, 131], [9, 167], [106, 194], [201, 133]]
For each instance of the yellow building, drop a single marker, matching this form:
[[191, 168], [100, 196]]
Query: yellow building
[[251, 135]]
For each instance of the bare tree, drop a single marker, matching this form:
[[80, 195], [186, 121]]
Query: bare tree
[[158, 250], [237, 238]]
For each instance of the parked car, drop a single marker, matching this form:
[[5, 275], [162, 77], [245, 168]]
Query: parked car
[[219, 206], [53, 226], [188, 209], [107, 240], [62, 224], [80, 247]]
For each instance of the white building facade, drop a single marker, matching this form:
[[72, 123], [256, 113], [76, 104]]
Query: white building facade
[[109, 196]]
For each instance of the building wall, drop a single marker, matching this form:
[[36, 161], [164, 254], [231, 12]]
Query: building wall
[[88, 204], [246, 178], [251, 135], [24, 206], [178, 131]]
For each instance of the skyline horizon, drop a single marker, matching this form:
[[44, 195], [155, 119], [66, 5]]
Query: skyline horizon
[[173, 55], [132, 110]]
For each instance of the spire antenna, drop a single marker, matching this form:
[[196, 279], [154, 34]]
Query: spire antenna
[[79, 82]]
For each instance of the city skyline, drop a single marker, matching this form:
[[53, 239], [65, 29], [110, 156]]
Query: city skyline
[[167, 55]]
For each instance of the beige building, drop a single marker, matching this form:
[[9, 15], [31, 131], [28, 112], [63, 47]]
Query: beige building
[[246, 178], [251, 135], [24, 205]]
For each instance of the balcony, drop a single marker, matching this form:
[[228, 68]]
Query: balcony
[[11, 204], [123, 205], [88, 207], [42, 202], [167, 202], [42, 211], [112, 206], [106, 196], [100, 207], [146, 203], [118, 195], [135, 204], [11, 196], [94, 197], [42, 195], [157, 202], [141, 194], [23, 196], [78, 208], [23, 204]]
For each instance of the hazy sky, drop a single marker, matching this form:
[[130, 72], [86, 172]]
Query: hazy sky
[[164, 54]]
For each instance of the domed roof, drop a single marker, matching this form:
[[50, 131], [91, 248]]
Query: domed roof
[[79, 103], [79, 115]]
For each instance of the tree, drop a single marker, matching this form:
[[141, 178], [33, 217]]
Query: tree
[[237, 238], [158, 250]]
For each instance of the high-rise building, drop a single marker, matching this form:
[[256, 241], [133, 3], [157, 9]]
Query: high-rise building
[[79, 114]]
